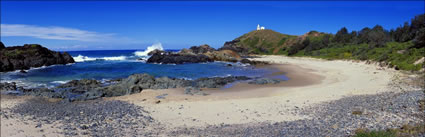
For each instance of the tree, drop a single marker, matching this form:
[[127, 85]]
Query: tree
[[363, 35], [342, 36], [298, 46], [378, 36], [419, 40]]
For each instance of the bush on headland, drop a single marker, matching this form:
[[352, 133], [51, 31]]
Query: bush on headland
[[401, 48]]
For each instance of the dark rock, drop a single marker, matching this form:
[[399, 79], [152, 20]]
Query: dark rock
[[175, 58], [22, 71], [2, 45], [217, 82], [232, 45], [30, 55], [201, 49], [197, 49], [8, 86], [87, 89], [156, 51], [396, 68], [263, 81], [253, 62], [194, 91]]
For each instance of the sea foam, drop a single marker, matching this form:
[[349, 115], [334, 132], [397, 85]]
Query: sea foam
[[149, 49], [81, 58]]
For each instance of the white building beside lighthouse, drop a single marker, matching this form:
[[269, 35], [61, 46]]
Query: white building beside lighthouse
[[260, 27]]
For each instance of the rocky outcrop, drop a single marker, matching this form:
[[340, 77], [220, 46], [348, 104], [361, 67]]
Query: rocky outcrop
[[224, 55], [202, 49], [235, 46], [87, 89], [30, 55], [177, 58], [254, 62], [156, 51], [2, 45], [217, 82], [196, 54]]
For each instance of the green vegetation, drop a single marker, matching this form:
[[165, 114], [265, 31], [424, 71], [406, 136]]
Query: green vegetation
[[399, 48], [406, 130], [386, 133], [264, 41]]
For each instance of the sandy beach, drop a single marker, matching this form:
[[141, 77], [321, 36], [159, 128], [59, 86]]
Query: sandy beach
[[312, 82]]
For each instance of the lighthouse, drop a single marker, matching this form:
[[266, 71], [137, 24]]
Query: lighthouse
[[260, 27]]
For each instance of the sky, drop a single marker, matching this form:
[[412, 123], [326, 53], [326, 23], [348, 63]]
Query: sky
[[106, 25]]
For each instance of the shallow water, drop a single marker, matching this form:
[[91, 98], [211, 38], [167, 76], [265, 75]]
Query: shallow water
[[113, 64]]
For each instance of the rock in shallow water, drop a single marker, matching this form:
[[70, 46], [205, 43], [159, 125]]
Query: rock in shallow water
[[86, 89], [262, 81], [174, 58]]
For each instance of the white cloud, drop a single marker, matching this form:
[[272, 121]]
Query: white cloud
[[54, 33], [73, 47]]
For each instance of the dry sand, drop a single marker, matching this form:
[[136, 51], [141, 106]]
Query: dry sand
[[311, 81]]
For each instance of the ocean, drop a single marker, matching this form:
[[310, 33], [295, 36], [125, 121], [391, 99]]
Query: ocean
[[114, 64]]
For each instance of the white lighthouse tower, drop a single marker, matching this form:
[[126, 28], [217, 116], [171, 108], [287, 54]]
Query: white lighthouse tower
[[260, 28]]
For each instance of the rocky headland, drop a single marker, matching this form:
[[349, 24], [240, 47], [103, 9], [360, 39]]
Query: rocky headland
[[199, 54], [30, 56]]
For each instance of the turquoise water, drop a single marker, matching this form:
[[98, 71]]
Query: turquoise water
[[113, 64]]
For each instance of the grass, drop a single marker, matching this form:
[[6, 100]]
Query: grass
[[387, 133], [357, 112], [405, 130]]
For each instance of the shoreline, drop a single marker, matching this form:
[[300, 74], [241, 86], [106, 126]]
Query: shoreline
[[313, 82], [326, 82]]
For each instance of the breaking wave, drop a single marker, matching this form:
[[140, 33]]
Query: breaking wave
[[81, 58], [149, 49]]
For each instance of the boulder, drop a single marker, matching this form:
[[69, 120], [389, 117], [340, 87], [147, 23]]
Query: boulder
[[30, 55]]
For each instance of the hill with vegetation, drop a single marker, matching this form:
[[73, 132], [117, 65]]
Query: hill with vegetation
[[401, 48], [259, 42]]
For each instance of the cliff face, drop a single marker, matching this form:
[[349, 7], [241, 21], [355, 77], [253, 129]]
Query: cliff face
[[30, 55]]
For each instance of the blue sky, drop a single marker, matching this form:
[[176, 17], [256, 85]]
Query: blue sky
[[78, 25]]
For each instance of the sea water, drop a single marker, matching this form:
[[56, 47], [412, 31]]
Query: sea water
[[114, 64]]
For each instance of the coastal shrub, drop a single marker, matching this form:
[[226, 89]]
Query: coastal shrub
[[400, 47], [386, 133], [405, 130]]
